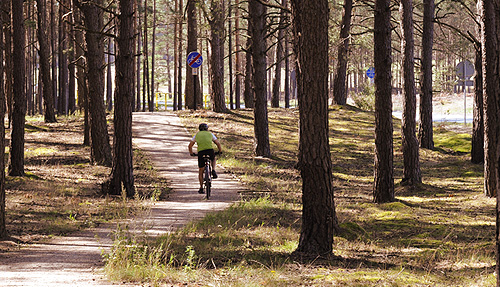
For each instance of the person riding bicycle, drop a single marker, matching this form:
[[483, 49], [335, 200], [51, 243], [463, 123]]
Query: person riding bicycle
[[203, 140]]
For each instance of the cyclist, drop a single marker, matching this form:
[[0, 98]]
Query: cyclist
[[203, 140]]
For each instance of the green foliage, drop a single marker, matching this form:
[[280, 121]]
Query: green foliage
[[365, 99]]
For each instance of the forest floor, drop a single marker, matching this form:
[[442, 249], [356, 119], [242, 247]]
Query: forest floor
[[437, 234], [60, 225]]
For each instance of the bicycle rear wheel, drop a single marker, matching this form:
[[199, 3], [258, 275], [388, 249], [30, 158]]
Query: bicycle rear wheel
[[208, 189]]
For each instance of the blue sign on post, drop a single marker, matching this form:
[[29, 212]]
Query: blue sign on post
[[370, 73], [194, 60]]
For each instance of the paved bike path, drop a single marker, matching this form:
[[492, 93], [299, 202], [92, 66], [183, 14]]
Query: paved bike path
[[76, 260], [165, 139]]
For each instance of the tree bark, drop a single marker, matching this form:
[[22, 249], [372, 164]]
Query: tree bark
[[319, 220], [238, 60], [217, 57], [122, 173], [275, 97], [477, 149], [425, 130], [62, 103], [3, 229], [248, 94], [153, 52], [490, 93], [179, 66], [411, 162], [257, 14], [339, 86], [16, 165], [383, 189], [193, 101], [44, 52], [93, 18]]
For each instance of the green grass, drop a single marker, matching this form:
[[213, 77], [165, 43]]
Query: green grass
[[440, 233]]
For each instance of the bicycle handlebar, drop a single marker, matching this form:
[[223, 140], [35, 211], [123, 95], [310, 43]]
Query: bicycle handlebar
[[215, 153]]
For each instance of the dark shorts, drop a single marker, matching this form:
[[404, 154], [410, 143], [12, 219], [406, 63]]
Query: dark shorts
[[201, 161]]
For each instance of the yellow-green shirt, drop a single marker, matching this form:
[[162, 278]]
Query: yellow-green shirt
[[204, 140]]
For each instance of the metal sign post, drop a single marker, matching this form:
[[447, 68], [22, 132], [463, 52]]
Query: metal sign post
[[194, 60]]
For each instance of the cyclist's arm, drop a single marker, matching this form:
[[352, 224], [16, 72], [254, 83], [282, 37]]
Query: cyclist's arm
[[218, 145], [190, 146]]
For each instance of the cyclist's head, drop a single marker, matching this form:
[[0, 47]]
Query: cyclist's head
[[203, 127]]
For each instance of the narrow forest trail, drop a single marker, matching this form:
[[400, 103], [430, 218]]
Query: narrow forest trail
[[76, 260]]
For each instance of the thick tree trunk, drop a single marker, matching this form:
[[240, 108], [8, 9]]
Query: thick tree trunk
[[425, 132], [490, 94], [257, 13], [100, 147], [193, 100], [16, 166], [339, 88], [477, 149], [217, 57], [319, 220], [411, 159], [6, 15], [383, 189], [122, 173], [44, 52], [3, 229]]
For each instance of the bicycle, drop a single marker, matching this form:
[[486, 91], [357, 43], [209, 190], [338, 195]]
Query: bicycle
[[207, 174]]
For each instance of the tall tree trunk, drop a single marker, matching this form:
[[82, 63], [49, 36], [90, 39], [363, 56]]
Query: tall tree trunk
[[93, 18], [275, 98], [411, 159], [16, 165], [153, 48], [82, 76], [3, 229], [217, 57], [176, 54], [237, 44], [383, 188], [477, 149], [44, 53], [109, 78], [319, 220], [249, 94], [425, 132], [193, 100], [257, 14], [122, 175], [55, 52], [287, 73], [490, 93], [71, 65], [62, 103], [339, 88], [6, 15], [179, 58]]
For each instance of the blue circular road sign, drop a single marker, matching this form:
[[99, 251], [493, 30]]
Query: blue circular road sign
[[194, 59], [370, 73]]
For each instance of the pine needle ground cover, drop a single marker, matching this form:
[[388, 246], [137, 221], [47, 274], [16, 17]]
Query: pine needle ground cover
[[440, 233]]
